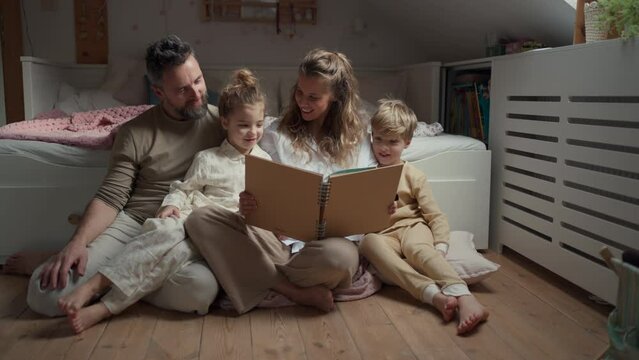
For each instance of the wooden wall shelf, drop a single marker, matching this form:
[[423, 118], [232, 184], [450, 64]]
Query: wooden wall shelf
[[290, 11]]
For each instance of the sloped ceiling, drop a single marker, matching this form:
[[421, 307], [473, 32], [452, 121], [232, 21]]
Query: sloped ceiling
[[453, 30]]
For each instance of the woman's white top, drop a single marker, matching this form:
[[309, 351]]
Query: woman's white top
[[280, 147]]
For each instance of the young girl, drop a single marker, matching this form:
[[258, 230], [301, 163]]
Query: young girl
[[321, 132], [215, 178], [410, 253]]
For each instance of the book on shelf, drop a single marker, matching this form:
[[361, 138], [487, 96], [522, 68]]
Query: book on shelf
[[303, 205], [468, 111]]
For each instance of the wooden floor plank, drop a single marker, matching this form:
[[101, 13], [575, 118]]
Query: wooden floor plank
[[276, 334], [564, 296], [375, 335], [30, 335], [325, 336], [127, 335], [176, 336], [420, 325], [226, 336], [536, 325]]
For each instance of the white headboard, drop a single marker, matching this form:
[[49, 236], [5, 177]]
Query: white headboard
[[417, 84]]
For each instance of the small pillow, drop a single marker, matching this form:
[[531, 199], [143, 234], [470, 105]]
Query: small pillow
[[471, 266]]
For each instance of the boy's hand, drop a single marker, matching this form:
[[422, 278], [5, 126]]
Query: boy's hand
[[248, 204], [168, 211], [392, 208]]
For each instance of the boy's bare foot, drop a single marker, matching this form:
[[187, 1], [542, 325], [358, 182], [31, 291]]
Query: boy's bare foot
[[83, 294], [87, 317], [316, 296], [447, 305], [25, 262], [471, 313]]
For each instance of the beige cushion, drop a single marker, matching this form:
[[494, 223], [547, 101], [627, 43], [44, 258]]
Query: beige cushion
[[467, 262]]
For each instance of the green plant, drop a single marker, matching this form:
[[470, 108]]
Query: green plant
[[621, 16]]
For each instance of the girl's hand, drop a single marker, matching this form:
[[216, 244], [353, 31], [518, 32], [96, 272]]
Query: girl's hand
[[168, 210], [392, 208], [248, 204]]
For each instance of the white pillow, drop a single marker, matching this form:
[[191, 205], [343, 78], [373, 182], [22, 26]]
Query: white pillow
[[71, 100], [471, 266]]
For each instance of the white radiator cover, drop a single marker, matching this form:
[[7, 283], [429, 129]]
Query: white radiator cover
[[565, 141]]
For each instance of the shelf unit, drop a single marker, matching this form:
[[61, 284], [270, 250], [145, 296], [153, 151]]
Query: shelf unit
[[465, 90]]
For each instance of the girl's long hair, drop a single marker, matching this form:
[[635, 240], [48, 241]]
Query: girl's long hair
[[342, 130]]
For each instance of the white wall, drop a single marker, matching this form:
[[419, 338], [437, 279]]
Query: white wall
[[397, 32], [133, 24]]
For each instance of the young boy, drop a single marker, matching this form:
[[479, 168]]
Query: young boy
[[410, 253]]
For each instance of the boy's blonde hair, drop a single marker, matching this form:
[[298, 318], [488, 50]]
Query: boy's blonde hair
[[342, 130], [242, 89], [394, 117]]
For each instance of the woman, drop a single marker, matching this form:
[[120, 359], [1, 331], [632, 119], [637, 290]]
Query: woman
[[321, 132]]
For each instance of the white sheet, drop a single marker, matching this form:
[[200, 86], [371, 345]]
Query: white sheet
[[420, 148], [55, 153], [427, 146]]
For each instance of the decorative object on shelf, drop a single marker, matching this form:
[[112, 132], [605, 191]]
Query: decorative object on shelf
[[620, 17], [594, 30], [91, 32], [280, 12]]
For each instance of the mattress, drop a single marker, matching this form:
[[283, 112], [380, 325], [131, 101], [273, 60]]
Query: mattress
[[64, 155], [427, 146], [55, 154]]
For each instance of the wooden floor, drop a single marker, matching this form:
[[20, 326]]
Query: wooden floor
[[534, 315]]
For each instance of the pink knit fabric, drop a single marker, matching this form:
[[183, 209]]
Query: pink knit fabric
[[92, 129]]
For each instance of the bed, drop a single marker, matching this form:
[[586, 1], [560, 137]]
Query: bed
[[46, 183]]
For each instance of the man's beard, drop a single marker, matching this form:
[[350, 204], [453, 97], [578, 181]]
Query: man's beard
[[191, 112]]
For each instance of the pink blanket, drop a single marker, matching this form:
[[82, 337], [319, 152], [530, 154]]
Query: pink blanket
[[92, 129]]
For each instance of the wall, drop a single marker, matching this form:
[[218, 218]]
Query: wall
[[133, 24]]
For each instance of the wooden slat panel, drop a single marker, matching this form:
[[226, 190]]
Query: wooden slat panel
[[531, 183], [531, 126], [603, 111], [526, 163], [529, 201], [612, 183], [602, 157], [608, 135], [611, 231], [531, 145], [615, 208]]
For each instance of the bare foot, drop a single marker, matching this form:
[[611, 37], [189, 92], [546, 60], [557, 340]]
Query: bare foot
[[83, 294], [447, 305], [25, 262], [87, 317], [471, 313], [317, 296]]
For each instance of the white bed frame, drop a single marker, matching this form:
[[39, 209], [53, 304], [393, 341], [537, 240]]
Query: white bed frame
[[45, 195], [564, 135]]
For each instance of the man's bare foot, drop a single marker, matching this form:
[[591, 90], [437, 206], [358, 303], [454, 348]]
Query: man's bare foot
[[84, 293], [25, 262], [471, 313], [447, 305], [316, 296], [87, 317]]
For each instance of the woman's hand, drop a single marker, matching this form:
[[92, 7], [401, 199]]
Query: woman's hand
[[248, 204], [168, 210]]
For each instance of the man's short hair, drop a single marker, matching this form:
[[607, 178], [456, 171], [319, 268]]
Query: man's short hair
[[165, 54], [394, 117]]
